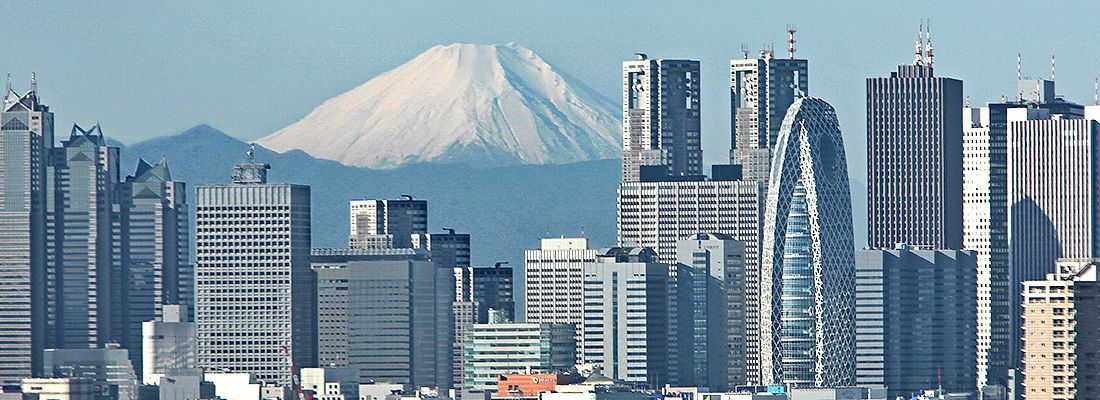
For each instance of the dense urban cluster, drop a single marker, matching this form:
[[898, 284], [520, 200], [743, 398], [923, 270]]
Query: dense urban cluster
[[978, 282]]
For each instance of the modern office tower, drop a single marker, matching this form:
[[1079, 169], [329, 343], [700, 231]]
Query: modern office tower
[[1061, 332], [914, 162], [331, 383], [915, 324], [554, 277], [151, 218], [625, 327], [448, 250], [82, 280], [477, 291], [110, 365], [661, 118], [387, 223], [1053, 178], [761, 91], [26, 127], [255, 290], [167, 344], [710, 277], [658, 215], [807, 274], [492, 349], [395, 314]]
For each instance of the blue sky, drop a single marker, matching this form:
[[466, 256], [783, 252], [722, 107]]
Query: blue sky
[[147, 69]]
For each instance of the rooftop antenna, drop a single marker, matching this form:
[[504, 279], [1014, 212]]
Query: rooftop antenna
[[9, 84], [1052, 67], [34, 82], [744, 51], [1018, 75], [790, 41], [967, 101], [928, 43], [918, 59], [251, 152], [407, 196]]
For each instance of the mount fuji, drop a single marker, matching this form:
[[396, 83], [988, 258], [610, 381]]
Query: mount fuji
[[475, 105]]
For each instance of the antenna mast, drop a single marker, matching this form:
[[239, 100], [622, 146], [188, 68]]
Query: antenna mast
[[1052, 67], [919, 53], [790, 41], [928, 43]]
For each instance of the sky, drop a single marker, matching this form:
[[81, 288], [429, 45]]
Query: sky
[[148, 69]]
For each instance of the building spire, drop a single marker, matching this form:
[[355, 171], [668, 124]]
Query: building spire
[[34, 82], [790, 41], [9, 85], [919, 53], [1052, 67], [928, 44]]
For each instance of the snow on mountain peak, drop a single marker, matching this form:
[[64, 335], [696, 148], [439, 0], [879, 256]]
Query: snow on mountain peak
[[481, 105]]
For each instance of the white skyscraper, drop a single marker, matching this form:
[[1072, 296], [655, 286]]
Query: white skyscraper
[[555, 281], [168, 344], [255, 289]]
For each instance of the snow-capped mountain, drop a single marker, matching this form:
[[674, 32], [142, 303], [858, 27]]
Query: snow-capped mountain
[[479, 105]]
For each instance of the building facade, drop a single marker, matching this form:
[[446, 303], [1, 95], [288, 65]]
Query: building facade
[[493, 349], [761, 91], [554, 277], [168, 344], [915, 320], [387, 223], [807, 274], [106, 366], [1062, 333], [254, 289], [914, 163], [661, 118]]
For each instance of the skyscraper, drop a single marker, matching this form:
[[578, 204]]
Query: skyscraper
[[661, 118], [83, 301], [477, 290], [807, 275], [1053, 181], [914, 163], [710, 296], [761, 91], [387, 223], [915, 326], [153, 242], [255, 290], [26, 128], [554, 275], [626, 315]]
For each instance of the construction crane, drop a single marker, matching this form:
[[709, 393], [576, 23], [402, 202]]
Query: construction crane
[[294, 374]]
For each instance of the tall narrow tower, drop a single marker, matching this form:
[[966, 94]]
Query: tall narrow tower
[[661, 118]]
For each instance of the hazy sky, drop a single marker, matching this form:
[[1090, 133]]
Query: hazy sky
[[146, 69]]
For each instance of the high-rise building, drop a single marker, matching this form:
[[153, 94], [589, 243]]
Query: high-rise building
[[477, 291], [26, 128], [710, 296], [109, 365], [152, 242], [626, 318], [387, 223], [807, 274], [493, 349], [255, 291], [1053, 181], [915, 320], [83, 284], [168, 345], [761, 91], [661, 118], [554, 277], [985, 216], [395, 314], [1061, 333], [914, 162], [449, 250]]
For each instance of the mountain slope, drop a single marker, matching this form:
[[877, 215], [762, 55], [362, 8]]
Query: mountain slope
[[480, 105], [506, 209]]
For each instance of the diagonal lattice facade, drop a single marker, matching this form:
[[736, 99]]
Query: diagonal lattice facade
[[807, 277]]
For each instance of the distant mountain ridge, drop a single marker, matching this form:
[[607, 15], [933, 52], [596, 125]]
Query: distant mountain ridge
[[475, 105]]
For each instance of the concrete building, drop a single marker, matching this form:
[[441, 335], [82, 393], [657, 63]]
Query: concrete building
[[1062, 333], [60, 389], [331, 383], [82, 176], [761, 91], [914, 163], [493, 349], [477, 291], [710, 282], [554, 278], [110, 366], [661, 118], [807, 274], [167, 344], [255, 290], [186, 386], [234, 386], [626, 317], [915, 319], [387, 223], [1053, 179], [26, 127], [396, 313]]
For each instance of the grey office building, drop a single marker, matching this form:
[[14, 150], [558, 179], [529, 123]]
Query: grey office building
[[710, 297], [387, 223], [105, 366], [914, 159], [396, 314], [761, 91], [915, 325], [254, 290], [661, 118], [26, 128], [82, 280]]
